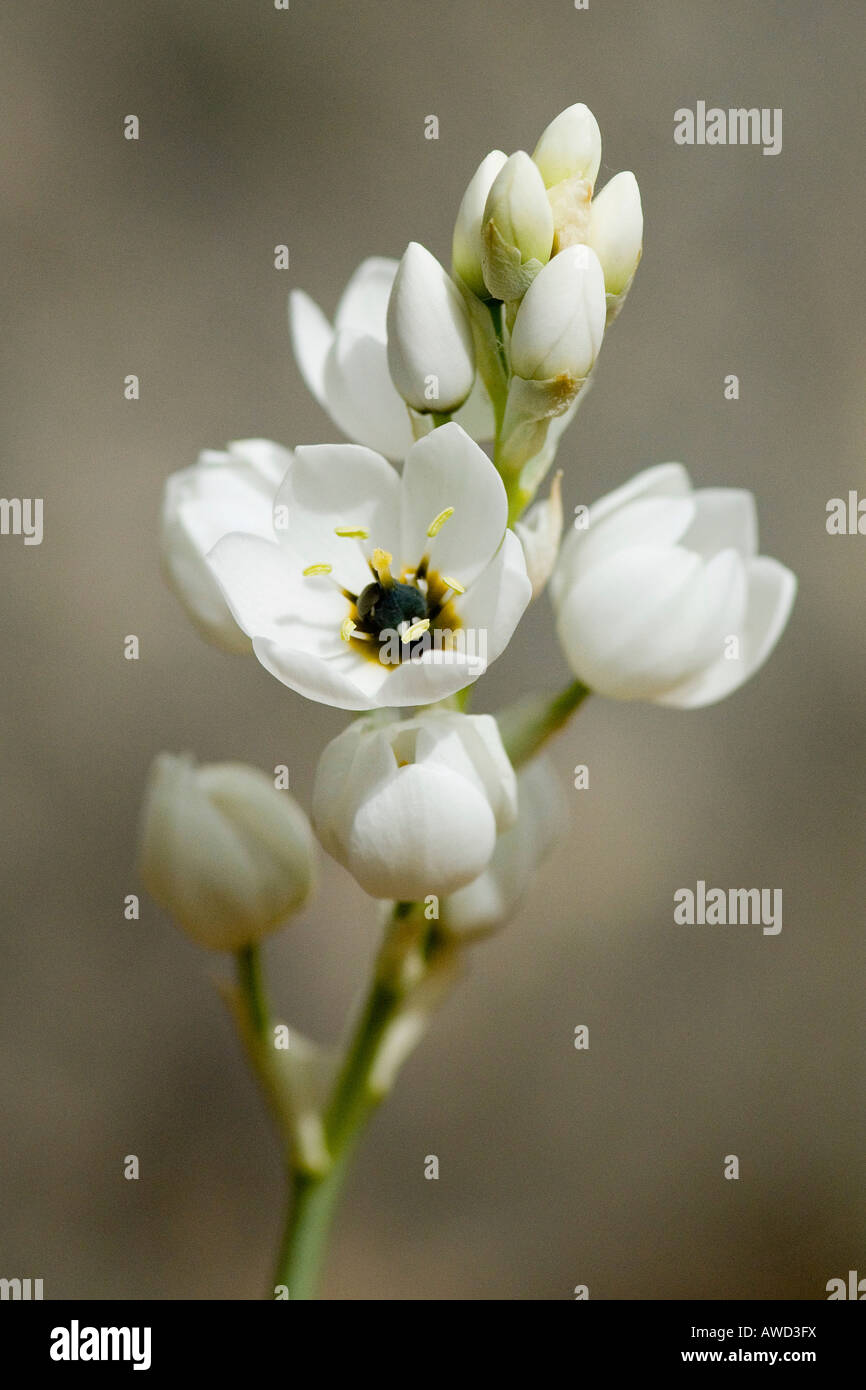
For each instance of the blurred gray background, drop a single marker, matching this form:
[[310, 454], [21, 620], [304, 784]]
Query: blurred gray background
[[557, 1167]]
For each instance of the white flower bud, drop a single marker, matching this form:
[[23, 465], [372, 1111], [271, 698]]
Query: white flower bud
[[412, 807], [516, 229], [664, 597], [466, 243], [492, 898], [430, 352], [560, 324], [570, 147], [539, 533], [616, 232], [221, 850]]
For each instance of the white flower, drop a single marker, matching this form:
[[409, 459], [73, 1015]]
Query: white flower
[[222, 851], [616, 232], [664, 597], [539, 533], [346, 367], [222, 492], [560, 323], [466, 242], [412, 807], [570, 147], [430, 350], [516, 228], [492, 898], [380, 589]]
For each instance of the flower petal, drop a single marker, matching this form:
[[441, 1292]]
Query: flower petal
[[497, 600], [345, 486], [312, 337], [266, 592], [662, 480], [475, 415], [343, 680], [448, 469], [361, 397], [770, 596], [364, 303], [644, 619], [426, 831], [725, 517]]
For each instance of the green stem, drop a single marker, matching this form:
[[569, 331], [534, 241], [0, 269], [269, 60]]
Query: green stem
[[314, 1197], [527, 726], [252, 986], [439, 418]]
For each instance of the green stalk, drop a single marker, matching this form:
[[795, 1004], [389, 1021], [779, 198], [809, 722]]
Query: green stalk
[[313, 1197], [526, 726]]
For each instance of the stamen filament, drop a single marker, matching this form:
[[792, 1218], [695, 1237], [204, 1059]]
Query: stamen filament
[[380, 565]]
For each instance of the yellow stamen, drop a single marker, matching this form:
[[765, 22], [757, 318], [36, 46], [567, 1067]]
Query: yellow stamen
[[438, 522], [380, 564], [453, 584], [318, 569], [349, 630], [415, 630], [352, 533]]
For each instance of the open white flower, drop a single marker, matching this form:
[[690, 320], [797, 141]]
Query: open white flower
[[379, 589], [224, 852], [223, 491], [491, 899], [346, 366], [412, 807], [663, 597]]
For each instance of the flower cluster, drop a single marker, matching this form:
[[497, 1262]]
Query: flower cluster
[[383, 575]]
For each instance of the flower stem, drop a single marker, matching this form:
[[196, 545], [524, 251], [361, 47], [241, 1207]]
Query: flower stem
[[252, 986], [526, 726], [313, 1197]]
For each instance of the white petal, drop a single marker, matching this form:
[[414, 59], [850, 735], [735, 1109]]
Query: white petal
[[219, 494], [312, 337], [661, 480], [364, 305], [267, 593], [340, 485], [448, 469], [427, 831], [649, 521], [475, 416], [494, 605], [491, 899], [645, 619], [345, 680], [725, 517], [770, 597], [361, 398], [570, 146], [433, 676]]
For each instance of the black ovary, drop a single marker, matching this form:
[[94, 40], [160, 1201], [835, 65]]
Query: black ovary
[[384, 610]]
